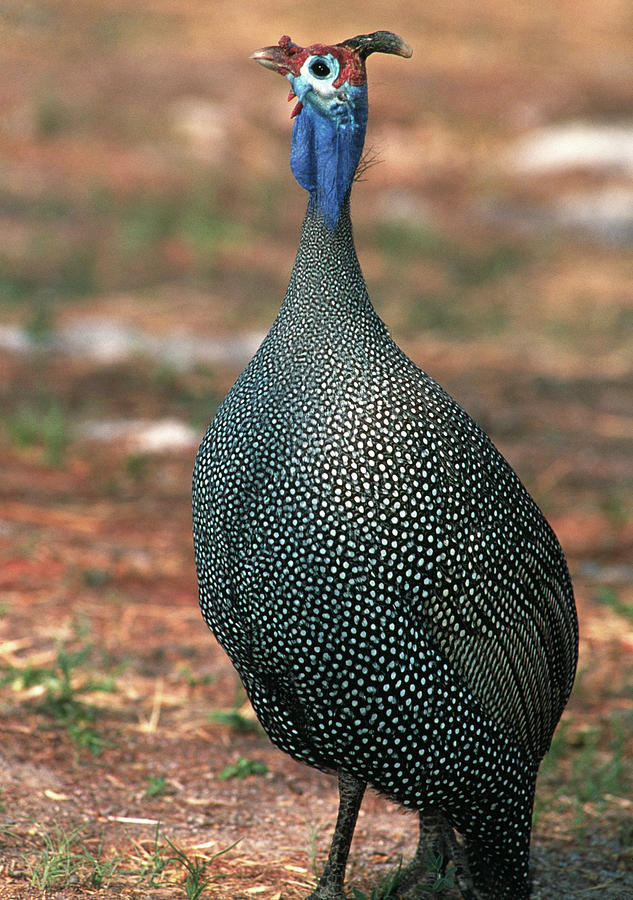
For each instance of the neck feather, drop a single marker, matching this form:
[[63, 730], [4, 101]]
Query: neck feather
[[326, 304], [327, 281]]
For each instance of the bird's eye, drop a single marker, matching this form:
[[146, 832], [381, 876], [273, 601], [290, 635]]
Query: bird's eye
[[320, 69]]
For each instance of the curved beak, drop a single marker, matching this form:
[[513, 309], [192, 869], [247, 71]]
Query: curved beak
[[273, 58]]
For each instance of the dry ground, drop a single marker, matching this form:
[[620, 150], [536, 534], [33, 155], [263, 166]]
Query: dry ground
[[143, 180]]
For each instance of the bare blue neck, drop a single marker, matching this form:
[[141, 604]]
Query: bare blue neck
[[326, 150]]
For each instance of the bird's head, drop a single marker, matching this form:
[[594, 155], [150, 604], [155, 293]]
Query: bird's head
[[329, 83]]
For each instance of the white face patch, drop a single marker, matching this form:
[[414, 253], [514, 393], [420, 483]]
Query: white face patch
[[317, 76]]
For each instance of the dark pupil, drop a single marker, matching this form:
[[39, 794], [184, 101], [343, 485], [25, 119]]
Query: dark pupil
[[320, 68]]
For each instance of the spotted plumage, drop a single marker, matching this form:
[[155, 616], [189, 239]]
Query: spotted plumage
[[396, 605]]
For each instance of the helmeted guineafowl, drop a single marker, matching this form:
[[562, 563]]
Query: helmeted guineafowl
[[396, 605]]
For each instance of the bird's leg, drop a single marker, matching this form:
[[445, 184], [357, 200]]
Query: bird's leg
[[330, 885], [430, 851], [437, 844], [457, 851]]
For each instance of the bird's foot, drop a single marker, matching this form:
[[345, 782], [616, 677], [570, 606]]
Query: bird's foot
[[327, 893], [421, 879], [421, 875], [329, 888]]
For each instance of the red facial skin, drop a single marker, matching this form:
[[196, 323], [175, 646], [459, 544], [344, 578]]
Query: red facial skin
[[292, 57], [288, 58]]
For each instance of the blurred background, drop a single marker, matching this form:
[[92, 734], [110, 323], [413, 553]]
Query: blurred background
[[148, 224]]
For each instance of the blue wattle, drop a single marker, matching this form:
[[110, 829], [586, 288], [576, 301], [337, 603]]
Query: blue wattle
[[326, 149]]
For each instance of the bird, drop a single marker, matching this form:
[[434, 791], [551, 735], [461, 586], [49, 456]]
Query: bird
[[397, 607]]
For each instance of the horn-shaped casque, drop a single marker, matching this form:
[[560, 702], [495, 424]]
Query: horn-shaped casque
[[378, 42]]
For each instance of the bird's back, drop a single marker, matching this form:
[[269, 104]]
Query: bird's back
[[362, 545]]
